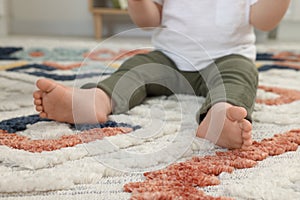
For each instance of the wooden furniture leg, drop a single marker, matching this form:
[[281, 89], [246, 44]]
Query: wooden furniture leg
[[98, 25], [98, 9]]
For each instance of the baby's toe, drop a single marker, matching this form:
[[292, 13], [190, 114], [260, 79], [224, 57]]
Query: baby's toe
[[246, 144], [43, 115], [236, 113], [37, 102], [38, 94], [246, 135], [46, 85], [245, 125], [39, 108]]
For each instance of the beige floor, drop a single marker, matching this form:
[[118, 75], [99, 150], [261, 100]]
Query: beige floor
[[55, 41]]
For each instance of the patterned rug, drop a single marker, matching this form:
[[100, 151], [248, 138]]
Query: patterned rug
[[43, 159]]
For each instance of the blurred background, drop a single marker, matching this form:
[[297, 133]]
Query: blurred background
[[80, 18]]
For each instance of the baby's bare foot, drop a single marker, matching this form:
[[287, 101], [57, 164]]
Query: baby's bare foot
[[226, 126], [66, 104]]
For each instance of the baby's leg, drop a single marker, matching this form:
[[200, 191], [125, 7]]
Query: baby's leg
[[226, 126], [226, 114], [66, 104], [138, 77], [152, 74]]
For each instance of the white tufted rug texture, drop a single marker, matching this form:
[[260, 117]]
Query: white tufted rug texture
[[99, 169]]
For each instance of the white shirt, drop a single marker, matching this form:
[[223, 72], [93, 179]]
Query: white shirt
[[193, 33]]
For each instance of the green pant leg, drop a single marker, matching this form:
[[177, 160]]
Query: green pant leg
[[234, 79], [141, 76]]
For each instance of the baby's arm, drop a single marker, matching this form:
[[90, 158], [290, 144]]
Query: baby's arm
[[145, 13], [266, 14]]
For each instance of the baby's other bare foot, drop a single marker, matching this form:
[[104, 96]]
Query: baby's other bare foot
[[65, 104], [226, 126]]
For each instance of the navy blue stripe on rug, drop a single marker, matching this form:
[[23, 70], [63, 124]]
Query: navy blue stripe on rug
[[32, 66], [19, 124], [66, 77], [42, 68], [267, 57], [82, 127], [5, 53], [269, 67]]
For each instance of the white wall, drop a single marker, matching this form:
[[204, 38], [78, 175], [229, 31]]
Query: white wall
[[289, 29], [293, 13], [59, 17], [47, 17], [3, 18]]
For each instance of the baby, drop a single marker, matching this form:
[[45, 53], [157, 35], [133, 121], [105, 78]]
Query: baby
[[202, 47]]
